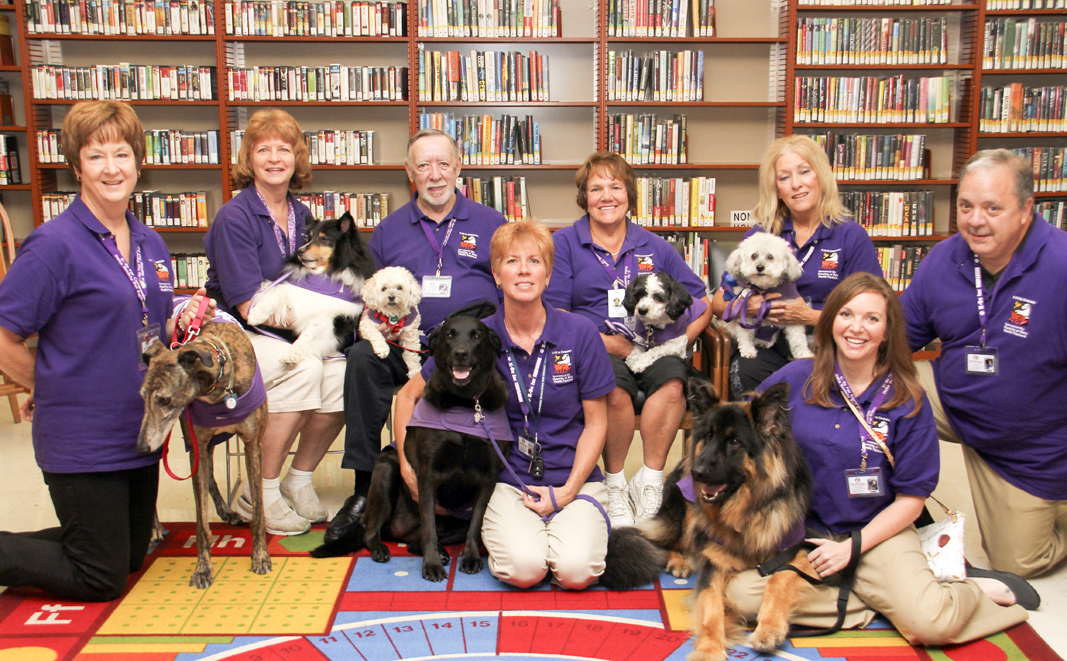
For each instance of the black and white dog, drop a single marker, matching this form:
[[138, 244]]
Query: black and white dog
[[658, 304], [317, 296]]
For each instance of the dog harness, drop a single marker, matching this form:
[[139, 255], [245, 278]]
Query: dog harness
[[395, 324], [737, 304]]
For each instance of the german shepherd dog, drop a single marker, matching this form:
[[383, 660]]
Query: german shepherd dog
[[750, 487], [455, 469]]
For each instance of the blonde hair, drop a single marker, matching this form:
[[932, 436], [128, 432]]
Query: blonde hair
[[771, 211], [101, 121], [264, 125], [509, 234]]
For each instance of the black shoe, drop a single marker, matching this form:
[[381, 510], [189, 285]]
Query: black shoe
[[349, 515], [1025, 594]]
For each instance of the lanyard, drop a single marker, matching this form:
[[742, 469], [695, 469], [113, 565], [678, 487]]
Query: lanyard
[[612, 272], [291, 222], [136, 280], [526, 397], [982, 316], [439, 249], [806, 256], [866, 419]]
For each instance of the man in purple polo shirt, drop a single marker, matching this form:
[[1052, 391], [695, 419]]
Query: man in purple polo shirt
[[994, 294], [443, 239]]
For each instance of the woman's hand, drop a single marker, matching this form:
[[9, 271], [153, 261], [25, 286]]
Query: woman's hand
[[830, 557], [544, 507], [792, 312], [756, 300], [412, 483], [189, 313], [617, 345], [26, 408]]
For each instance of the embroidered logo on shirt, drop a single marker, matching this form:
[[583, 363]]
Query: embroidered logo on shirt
[[562, 369], [831, 261], [163, 273], [1021, 308], [468, 245], [644, 264]]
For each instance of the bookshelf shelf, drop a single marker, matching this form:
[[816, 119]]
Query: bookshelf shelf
[[1024, 12], [181, 230], [697, 228], [542, 166], [1022, 72], [884, 67], [698, 166], [1033, 134], [11, 68], [376, 166], [897, 182], [12, 129], [887, 8], [507, 104], [910, 239], [508, 40], [121, 37], [1062, 193], [698, 40], [882, 125], [318, 104], [132, 102], [147, 166], [232, 38], [697, 104], [15, 187]]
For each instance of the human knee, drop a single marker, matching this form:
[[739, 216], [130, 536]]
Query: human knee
[[104, 584], [1025, 561], [577, 571], [619, 397], [671, 392], [524, 567], [921, 629]]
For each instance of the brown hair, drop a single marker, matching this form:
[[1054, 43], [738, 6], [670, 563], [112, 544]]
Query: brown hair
[[264, 125], [771, 211], [509, 234], [606, 164], [894, 355], [101, 121]]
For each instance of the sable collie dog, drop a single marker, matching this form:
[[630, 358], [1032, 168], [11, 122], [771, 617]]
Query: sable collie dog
[[317, 297]]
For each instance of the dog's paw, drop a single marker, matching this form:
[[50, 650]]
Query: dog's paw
[[379, 552], [261, 565], [432, 571], [381, 348], [470, 564], [258, 314], [707, 649], [202, 579], [679, 566], [229, 516], [748, 351], [292, 357], [767, 638], [803, 353]]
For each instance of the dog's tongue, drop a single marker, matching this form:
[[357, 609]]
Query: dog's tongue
[[461, 373]]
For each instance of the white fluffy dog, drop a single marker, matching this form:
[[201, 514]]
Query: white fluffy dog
[[658, 304], [392, 296], [762, 264]]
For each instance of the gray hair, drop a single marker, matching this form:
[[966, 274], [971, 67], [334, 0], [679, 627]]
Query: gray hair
[[426, 133], [1018, 165]]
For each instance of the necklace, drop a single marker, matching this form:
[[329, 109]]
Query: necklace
[[516, 338], [604, 244]]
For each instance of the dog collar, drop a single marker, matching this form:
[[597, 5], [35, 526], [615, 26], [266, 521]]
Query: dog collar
[[229, 399], [395, 324]]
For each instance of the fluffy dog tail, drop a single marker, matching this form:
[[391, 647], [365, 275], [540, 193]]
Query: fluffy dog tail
[[632, 560], [346, 544]]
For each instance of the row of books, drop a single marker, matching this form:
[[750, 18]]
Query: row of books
[[876, 156], [10, 172], [873, 99], [694, 249], [345, 147], [647, 139], [157, 209], [489, 18], [872, 41], [675, 202], [888, 3], [1024, 43], [332, 18], [899, 263], [997, 5], [1014, 108], [482, 76], [484, 140], [892, 213], [329, 83], [656, 76], [1050, 167], [661, 18], [189, 270], [507, 195], [158, 17], [367, 209], [174, 147], [126, 82], [1053, 211]]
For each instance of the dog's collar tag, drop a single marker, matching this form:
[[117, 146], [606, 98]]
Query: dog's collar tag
[[478, 415], [229, 400]]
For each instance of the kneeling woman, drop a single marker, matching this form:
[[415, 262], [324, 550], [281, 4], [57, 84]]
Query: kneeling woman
[[560, 375], [863, 367]]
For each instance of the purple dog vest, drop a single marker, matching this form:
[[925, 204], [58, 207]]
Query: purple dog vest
[[320, 283], [736, 308], [460, 419]]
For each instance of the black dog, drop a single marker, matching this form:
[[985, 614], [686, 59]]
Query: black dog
[[455, 469]]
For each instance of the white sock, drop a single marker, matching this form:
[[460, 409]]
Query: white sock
[[271, 491], [647, 476], [615, 479], [297, 478]]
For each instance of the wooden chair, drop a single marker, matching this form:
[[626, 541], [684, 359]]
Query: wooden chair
[[9, 388]]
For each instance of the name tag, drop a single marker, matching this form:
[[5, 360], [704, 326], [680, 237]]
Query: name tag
[[982, 361], [145, 338], [436, 286], [615, 307], [526, 446], [864, 484]]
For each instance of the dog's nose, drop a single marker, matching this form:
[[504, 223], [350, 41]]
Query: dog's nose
[[760, 268], [642, 311], [459, 355]]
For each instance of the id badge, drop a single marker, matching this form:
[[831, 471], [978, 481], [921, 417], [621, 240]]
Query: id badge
[[615, 307], [982, 361], [864, 484], [145, 337], [436, 286], [526, 446]]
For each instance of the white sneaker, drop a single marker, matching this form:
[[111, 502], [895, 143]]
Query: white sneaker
[[619, 510], [645, 499], [281, 520], [305, 502]]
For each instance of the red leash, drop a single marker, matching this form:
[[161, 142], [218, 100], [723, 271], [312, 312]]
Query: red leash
[[190, 333]]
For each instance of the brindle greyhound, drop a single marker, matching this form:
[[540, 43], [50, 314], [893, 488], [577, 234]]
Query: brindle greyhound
[[218, 371]]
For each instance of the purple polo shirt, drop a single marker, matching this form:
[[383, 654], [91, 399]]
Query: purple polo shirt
[[1017, 419], [66, 287], [578, 370], [830, 439], [580, 282], [400, 241], [242, 249], [836, 253]]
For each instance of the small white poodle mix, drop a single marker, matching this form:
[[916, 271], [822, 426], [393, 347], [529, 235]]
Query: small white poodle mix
[[658, 304], [392, 297], [762, 264]]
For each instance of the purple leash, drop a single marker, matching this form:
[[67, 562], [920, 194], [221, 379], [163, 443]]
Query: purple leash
[[738, 309], [480, 417]]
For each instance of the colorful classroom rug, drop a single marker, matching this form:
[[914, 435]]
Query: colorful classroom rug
[[353, 609]]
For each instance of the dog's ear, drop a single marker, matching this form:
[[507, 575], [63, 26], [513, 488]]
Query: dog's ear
[[190, 355], [347, 224], [634, 291], [770, 411], [479, 310], [733, 262], [679, 297], [432, 338], [494, 341], [793, 270], [702, 396], [153, 350]]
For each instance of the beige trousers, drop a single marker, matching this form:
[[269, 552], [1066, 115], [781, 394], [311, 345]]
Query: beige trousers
[[310, 385]]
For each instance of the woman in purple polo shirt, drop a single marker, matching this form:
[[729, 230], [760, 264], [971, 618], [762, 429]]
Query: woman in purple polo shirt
[[798, 201], [868, 433], [558, 370], [249, 240], [95, 285]]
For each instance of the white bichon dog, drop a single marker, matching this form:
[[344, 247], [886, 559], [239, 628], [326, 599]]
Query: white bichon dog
[[392, 297], [658, 304], [763, 264]]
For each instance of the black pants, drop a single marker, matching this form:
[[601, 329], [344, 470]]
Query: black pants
[[369, 385], [105, 524], [747, 373]]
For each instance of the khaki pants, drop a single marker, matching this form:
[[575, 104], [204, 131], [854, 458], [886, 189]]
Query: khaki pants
[[310, 385], [523, 548], [1021, 533], [895, 580]]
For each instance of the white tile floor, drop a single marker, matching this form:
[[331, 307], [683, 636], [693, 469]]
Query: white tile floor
[[25, 505]]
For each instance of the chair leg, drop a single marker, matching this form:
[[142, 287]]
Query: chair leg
[[14, 401]]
